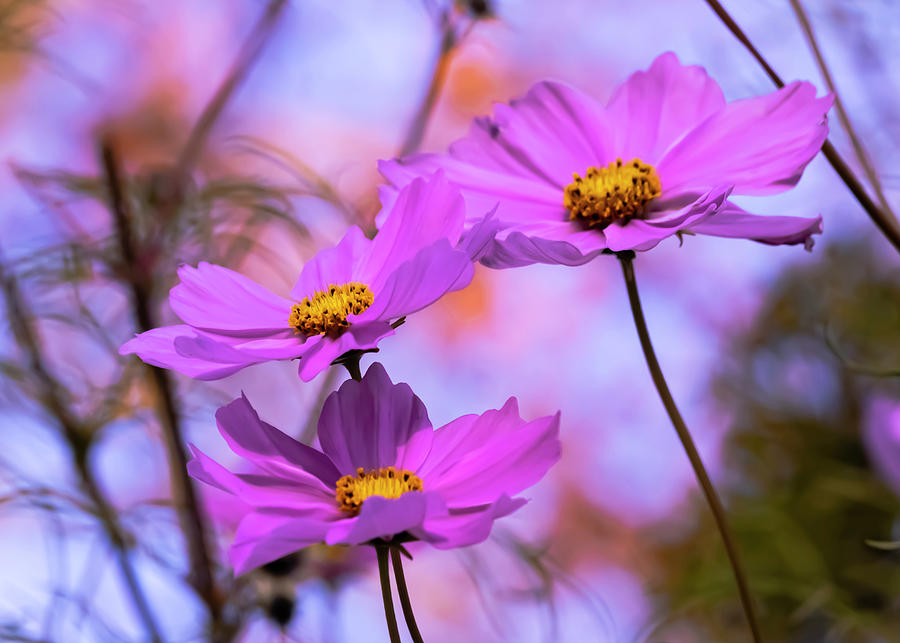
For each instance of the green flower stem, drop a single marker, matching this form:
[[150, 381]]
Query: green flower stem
[[405, 603], [712, 498], [385, 574]]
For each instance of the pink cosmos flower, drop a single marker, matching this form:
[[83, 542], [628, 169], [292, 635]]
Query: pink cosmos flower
[[346, 297], [881, 438], [575, 178], [382, 472]]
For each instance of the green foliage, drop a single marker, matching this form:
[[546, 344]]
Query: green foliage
[[802, 497]]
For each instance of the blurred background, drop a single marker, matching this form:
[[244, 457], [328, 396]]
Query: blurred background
[[246, 133]]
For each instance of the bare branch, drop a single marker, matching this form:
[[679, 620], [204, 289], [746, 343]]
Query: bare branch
[[882, 219], [451, 37], [192, 520], [247, 56], [861, 155], [78, 439]]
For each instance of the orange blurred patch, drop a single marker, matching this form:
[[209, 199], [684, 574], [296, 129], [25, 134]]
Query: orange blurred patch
[[461, 311], [471, 87], [21, 25], [152, 132]]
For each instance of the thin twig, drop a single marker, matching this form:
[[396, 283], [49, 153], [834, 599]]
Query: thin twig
[[384, 574], [247, 56], [403, 592], [852, 365], [861, 155], [882, 219], [191, 519], [53, 399], [450, 40], [684, 434]]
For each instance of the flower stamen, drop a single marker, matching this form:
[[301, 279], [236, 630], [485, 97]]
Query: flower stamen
[[326, 311], [616, 193], [387, 482]]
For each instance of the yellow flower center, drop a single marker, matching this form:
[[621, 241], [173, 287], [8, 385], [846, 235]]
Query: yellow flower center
[[387, 482], [325, 313], [619, 192]]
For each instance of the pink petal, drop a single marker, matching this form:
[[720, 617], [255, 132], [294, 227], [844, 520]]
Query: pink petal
[[269, 448], [157, 347], [653, 109], [424, 212], [476, 242], [229, 353], [380, 518], [644, 234], [361, 335], [483, 188], [336, 265], [373, 424], [263, 537], [553, 131], [881, 438], [760, 145], [307, 494], [214, 298], [732, 221], [225, 509], [421, 281], [461, 528], [520, 249], [477, 458]]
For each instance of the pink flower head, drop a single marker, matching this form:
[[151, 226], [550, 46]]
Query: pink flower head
[[574, 178], [346, 297], [382, 471], [881, 438]]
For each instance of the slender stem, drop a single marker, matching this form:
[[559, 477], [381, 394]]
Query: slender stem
[[350, 361], [385, 574], [405, 603], [858, 148], [107, 514], [191, 519], [882, 219], [53, 398], [244, 61], [449, 42], [687, 442]]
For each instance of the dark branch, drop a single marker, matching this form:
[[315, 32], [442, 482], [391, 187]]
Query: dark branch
[[883, 220], [191, 519], [53, 398]]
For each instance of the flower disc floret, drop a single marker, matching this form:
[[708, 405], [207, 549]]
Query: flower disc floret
[[387, 482], [616, 193], [326, 311]]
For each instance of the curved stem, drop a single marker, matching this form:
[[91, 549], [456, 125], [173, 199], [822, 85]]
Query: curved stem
[[859, 149], [352, 366], [450, 41], [192, 520], [687, 442], [53, 398], [385, 574], [881, 218], [405, 603]]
